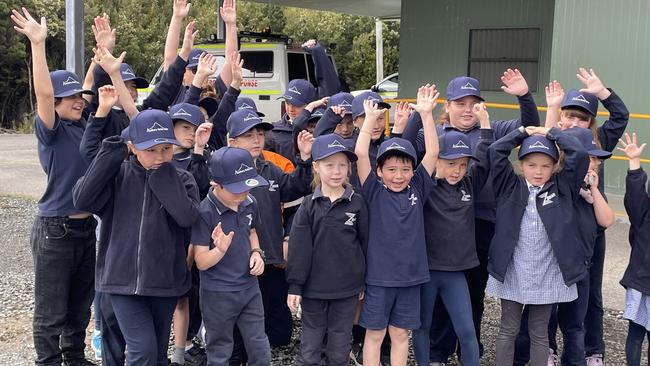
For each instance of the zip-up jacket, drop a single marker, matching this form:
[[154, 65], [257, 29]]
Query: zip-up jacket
[[197, 165], [449, 215], [637, 206], [555, 205], [282, 188], [145, 216], [327, 247]]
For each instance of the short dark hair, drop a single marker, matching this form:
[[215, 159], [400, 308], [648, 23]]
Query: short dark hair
[[397, 154]]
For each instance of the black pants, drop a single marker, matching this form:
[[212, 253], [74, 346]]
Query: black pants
[[113, 343], [195, 309], [63, 251], [634, 344]]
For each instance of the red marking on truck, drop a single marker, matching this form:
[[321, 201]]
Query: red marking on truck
[[249, 83]]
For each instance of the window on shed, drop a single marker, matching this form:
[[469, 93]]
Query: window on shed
[[492, 51]]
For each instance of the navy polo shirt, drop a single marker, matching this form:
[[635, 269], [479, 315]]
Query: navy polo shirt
[[232, 272], [58, 152], [397, 254]]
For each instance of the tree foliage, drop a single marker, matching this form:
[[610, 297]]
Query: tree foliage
[[142, 26]]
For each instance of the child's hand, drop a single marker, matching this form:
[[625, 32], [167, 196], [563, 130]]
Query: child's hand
[[207, 65], [630, 147], [402, 113], [221, 240], [317, 103], [181, 8], [188, 40], [592, 177], [371, 110], [293, 301], [339, 111], [202, 134], [229, 11], [27, 25], [426, 99], [108, 97], [481, 113], [107, 61], [532, 130], [256, 264], [309, 44], [236, 65], [305, 142], [592, 83], [554, 94], [104, 35], [514, 83]]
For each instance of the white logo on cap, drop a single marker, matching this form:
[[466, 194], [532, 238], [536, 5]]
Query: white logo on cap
[[580, 98], [538, 145], [128, 72], [468, 86], [373, 99], [272, 185], [181, 112], [460, 145], [70, 80], [547, 198], [196, 57], [336, 143], [293, 89], [156, 127], [245, 106], [250, 219], [352, 218], [252, 182], [250, 116], [243, 168], [345, 104], [395, 145]]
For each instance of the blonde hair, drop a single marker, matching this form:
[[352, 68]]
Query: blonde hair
[[585, 116], [315, 182]]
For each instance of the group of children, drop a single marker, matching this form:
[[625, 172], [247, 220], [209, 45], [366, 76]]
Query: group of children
[[219, 220]]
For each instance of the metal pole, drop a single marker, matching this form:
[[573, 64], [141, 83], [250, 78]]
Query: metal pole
[[221, 26], [379, 49], [74, 36]]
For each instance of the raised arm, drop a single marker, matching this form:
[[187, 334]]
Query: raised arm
[[228, 13], [92, 137], [554, 98], [426, 102], [326, 78], [112, 66], [605, 216], [180, 10], [637, 200], [515, 84], [37, 33], [576, 159], [363, 141], [503, 175], [401, 118], [480, 169]]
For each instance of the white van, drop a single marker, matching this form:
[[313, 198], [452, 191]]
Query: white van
[[269, 64]]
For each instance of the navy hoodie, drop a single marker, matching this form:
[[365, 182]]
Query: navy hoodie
[[555, 204], [637, 206], [145, 216]]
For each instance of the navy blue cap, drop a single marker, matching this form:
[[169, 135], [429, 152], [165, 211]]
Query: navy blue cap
[[234, 169], [454, 145], [210, 105], [357, 103], [193, 59], [586, 101], [342, 99], [187, 112], [125, 134], [328, 145], [463, 86], [399, 145], [152, 127], [247, 103], [128, 75], [317, 113], [66, 83], [538, 144], [242, 121], [299, 92], [586, 137]]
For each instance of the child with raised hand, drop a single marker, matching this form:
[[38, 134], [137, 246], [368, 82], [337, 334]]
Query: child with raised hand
[[228, 254], [636, 279], [146, 205], [396, 259], [63, 236], [450, 236], [535, 259], [326, 260]]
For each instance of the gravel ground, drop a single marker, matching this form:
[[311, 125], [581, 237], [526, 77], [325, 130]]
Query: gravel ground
[[16, 299]]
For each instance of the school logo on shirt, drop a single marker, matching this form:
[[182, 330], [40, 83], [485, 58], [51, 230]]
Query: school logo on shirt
[[538, 145], [181, 112], [156, 127], [580, 98], [465, 197], [243, 168], [272, 185], [250, 116], [352, 218], [468, 86], [335, 143], [250, 219], [293, 89], [413, 199], [395, 145], [548, 198], [245, 106], [460, 145], [70, 80]]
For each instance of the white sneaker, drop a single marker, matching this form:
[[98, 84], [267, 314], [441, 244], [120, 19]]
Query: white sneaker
[[595, 360], [552, 358]]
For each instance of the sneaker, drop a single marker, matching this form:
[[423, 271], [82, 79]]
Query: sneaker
[[356, 354], [552, 358], [595, 360], [96, 344], [196, 356]]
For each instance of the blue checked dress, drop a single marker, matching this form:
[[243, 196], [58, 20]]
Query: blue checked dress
[[533, 275], [637, 308]]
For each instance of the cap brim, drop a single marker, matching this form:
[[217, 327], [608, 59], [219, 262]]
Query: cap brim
[[466, 95], [245, 185], [397, 152], [351, 156], [151, 143], [292, 100], [260, 114], [265, 126], [578, 106], [140, 83], [602, 154], [521, 156], [68, 93]]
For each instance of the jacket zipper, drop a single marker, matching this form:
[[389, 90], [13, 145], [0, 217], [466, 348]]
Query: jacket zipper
[[137, 266]]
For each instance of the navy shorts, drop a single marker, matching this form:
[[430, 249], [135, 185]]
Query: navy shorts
[[396, 306]]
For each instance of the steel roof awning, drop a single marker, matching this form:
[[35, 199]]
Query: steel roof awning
[[384, 9]]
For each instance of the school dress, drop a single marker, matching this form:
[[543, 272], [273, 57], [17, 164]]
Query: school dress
[[534, 275]]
